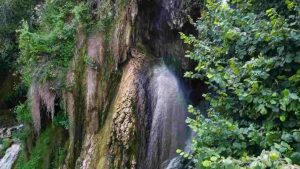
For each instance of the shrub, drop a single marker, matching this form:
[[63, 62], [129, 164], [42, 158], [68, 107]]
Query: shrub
[[47, 48], [248, 54], [23, 114]]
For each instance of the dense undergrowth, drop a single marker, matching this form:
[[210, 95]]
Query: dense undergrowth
[[248, 53], [48, 152], [47, 45], [49, 149], [11, 13]]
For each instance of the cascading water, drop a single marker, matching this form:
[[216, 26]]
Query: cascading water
[[176, 162], [10, 156], [168, 128]]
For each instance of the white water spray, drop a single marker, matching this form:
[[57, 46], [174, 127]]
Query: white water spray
[[168, 129], [10, 156]]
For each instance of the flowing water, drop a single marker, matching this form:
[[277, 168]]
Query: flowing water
[[168, 129], [11, 153], [10, 156], [176, 162]]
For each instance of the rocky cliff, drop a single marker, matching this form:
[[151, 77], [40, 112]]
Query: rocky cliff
[[108, 96]]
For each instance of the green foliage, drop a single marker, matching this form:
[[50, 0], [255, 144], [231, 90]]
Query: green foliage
[[5, 144], [61, 120], [106, 16], [59, 157], [47, 49], [15, 94], [11, 13], [221, 142], [38, 153], [249, 57], [48, 144], [45, 148], [23, 113]]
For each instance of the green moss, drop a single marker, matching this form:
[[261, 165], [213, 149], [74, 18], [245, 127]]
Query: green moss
[[40, 151], [59, 156], [77, 122], [46, 153], [144, 50]]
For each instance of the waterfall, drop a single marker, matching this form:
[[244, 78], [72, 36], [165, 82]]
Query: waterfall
[[176, 162], [10, 156], [168, 128]]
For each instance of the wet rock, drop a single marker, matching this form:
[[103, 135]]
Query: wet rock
[[124, 129], [7, 132]]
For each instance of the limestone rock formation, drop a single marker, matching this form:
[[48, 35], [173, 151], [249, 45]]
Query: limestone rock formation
[[107, 96]]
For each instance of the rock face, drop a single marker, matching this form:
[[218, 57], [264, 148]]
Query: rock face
[[8, 131], [118, 129], [124, 130], [114, 100]]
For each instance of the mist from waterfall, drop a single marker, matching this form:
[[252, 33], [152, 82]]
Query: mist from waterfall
[[168, 129]]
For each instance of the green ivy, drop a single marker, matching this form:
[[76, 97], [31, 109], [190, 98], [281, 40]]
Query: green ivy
[[248, 54]]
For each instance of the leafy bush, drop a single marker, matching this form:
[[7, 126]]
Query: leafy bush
[[248, 52], [47, 48], [23, 113]]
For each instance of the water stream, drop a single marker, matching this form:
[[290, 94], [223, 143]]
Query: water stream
[[168, 129], [12, 152], [10, 156]]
